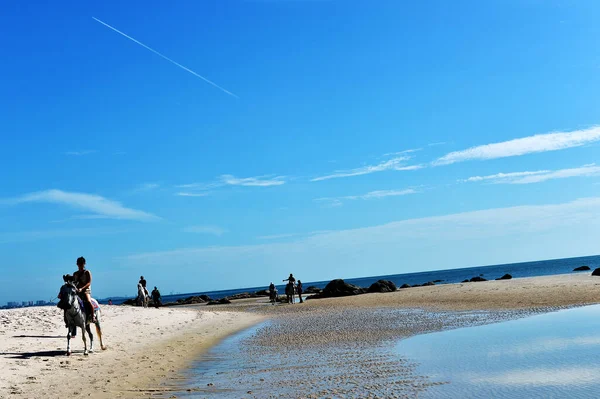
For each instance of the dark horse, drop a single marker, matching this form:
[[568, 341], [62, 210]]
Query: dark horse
[[76, 317]]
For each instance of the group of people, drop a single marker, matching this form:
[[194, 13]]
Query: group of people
[[291, 288], [156, 297]]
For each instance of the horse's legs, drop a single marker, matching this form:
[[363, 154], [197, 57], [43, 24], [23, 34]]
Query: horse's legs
[[87, 328], [69, 342], [99, 331], [85, 349]]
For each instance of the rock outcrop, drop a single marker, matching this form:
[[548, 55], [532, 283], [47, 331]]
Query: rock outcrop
[[339, 287], [382, 286], [581, 268], [505, 277], [477, 278]]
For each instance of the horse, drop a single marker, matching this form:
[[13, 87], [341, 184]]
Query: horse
[[76, 316], [289, 292], [143, 297]]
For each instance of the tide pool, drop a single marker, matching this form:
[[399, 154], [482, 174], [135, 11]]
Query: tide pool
[[553, 355]]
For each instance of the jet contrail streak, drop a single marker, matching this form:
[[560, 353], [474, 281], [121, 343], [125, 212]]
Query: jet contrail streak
[[165, 57]]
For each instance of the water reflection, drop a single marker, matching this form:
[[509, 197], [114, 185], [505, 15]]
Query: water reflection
[[550, 355]]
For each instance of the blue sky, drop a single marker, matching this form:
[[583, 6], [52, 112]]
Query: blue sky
[[337, 139]]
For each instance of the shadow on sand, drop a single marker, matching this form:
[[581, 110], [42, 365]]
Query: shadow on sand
[[40, 336], [29, 355]]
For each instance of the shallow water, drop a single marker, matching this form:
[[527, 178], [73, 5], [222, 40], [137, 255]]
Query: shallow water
[[554, 355]]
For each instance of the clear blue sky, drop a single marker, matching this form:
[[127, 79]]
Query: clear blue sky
[[340, 139]]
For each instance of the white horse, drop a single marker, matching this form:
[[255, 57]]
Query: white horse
[[143, 297], [75, 316]]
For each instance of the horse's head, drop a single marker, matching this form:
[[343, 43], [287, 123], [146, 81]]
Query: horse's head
[[68, 294]]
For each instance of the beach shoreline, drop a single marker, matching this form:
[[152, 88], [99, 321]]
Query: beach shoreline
[[148, 349]]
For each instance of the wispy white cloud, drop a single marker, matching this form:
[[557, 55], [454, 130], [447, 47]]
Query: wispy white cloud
[[436, 144], [276, 236], [230, 180], [397, 163], [80, 153], [260, 181], [165, 57], [214, 230], [538, 176], [377, 194], [96, 204], [35, 235], [187, 194], [526, 145]]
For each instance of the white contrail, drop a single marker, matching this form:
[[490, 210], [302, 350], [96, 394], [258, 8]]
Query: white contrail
[[166, 58]]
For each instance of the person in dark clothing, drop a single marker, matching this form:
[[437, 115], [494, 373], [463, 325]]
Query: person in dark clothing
[[156, 297], [272, 293], [299, 289], [290, 279]]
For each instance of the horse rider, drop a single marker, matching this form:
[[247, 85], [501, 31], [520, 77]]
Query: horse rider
[[143, 283], [83, 283], [291, 279]]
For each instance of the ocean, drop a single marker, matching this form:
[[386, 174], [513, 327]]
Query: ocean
[[524, 269]]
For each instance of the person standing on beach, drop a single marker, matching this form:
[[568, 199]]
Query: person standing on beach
[[83, 281], [299, 289], [156, 297]]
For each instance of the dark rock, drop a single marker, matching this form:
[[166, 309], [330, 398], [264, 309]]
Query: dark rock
[[405, 286], [132, 302], [581, 268], [339, 287], [437, 281], [428, 283], [191, 300], [596, 272], [262, 293], [382, 286], [505, 277], [222, 301], [465, 281], [477, 279], [312, 290]]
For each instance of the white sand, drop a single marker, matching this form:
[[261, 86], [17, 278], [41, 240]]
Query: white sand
[[146, 347]]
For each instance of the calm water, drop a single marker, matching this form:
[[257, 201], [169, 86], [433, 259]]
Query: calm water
[[527, 269], [554, 355]]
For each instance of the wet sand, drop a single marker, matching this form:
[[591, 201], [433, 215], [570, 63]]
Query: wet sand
[[148, 348]]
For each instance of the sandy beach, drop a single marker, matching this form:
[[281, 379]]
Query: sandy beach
[[147, 348]]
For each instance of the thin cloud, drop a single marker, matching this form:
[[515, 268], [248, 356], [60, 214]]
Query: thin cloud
[[145, 187], [35, 235], [260, 181], [527, 145], [214, 230], [186, 194], [378, 194], [397, 163], [436, 144], [276, 236], [166, 58], [99, 206], [230, 180], [80, 153], [538, 176]]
